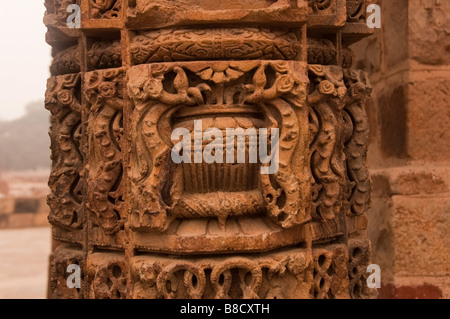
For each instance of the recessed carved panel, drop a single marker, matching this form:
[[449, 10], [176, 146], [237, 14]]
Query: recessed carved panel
[[236, 90], [325, 52]]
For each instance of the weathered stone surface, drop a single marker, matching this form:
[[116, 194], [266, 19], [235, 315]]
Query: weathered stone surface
[[421, 225], [413, 180], [428, 118], [408, 225], [429, 31]]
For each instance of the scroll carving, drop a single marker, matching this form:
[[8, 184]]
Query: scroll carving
[[327, 150], [234, 278], [356, 145], [66, 180], [330, 273], [105, 133], [56, 14], [356, 10]]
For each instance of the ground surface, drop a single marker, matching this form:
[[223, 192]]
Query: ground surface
[[24, 262]]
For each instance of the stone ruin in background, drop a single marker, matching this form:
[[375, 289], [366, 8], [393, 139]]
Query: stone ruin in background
[[22, 200], [141, 226], [4, 187]]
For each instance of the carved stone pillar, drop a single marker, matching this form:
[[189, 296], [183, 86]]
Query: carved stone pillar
[[142, 226]]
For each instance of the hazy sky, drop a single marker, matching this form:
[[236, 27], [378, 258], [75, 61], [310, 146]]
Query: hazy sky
[[24, 56]]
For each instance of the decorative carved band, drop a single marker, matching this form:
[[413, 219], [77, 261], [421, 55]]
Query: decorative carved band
[[213, 44]]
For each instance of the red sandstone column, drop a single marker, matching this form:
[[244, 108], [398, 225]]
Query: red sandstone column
[[139, 224]]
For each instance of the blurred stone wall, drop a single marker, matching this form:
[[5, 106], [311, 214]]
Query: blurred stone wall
[[23, 199], [23, 212], [409, 64]]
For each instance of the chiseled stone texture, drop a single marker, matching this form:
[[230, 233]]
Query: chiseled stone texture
[[421, 226], [429, 119]]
